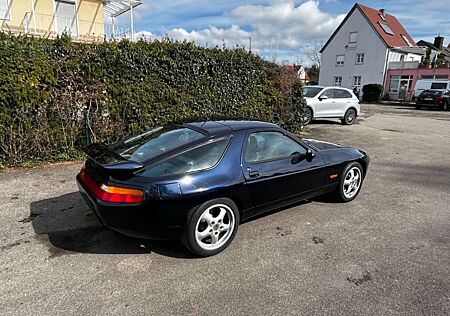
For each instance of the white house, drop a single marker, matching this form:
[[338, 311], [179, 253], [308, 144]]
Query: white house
[[361, 48]]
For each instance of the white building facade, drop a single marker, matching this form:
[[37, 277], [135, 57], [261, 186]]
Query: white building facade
[[361, 48]]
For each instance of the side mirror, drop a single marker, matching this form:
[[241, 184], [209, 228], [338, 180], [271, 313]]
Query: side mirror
[[323, 97], [310, 154]]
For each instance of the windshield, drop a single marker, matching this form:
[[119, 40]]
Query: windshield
[[155, 142], [311, 92], [430, 93]]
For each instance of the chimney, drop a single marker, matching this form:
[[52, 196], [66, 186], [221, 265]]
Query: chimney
[[438, 42], [382, 11]]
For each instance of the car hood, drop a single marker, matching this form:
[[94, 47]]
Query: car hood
[[321, 145]]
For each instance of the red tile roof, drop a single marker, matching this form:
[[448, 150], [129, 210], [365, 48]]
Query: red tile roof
[[373, 16], [375, 19]]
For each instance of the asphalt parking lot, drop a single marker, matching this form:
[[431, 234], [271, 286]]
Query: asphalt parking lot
[[386, 253]]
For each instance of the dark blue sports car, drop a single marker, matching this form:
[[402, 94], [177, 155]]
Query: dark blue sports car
[[199, 180]]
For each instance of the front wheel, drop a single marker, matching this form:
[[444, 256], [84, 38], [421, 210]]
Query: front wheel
[[210, 227], [349, 117], [350, 183]]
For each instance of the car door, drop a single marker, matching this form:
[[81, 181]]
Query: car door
[[325, 103], [276, 168], [343, 100]]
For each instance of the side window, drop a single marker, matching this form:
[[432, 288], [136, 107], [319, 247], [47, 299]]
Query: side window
[[200, 158], [342, 94], [263, 146], [328, 93]]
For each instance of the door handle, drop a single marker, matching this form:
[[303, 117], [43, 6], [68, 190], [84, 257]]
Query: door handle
[[252, 173]]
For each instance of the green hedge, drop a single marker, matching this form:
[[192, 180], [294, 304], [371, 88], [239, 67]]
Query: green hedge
[[372, 92], [56, 95]]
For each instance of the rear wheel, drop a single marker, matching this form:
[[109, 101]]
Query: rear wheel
[[210, 227], [307, 116], [444, 106], [349, 117], [350, 183]]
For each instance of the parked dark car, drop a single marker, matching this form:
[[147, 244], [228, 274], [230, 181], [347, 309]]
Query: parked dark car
[[199, 180], [434, 98]]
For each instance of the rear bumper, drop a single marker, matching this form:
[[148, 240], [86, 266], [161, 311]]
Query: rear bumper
[[132, 220], [429, 104]]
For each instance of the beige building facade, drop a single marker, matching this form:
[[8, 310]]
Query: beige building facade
[[84, 20]]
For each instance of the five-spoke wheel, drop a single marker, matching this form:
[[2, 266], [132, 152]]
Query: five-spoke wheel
[[215, 226], [211, 227], [350, 182], [349, 117]]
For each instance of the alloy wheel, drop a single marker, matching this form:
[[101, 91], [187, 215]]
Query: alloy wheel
[[215, 226], [352, 182], [351, 115]]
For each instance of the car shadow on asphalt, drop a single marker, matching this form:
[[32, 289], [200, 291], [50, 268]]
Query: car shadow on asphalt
[[327, 122], [65, 225]]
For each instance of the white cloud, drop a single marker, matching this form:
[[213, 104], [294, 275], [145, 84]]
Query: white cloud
[[213, 36], [145, 35], [292, 25]]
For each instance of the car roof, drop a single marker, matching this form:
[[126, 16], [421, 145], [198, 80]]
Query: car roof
[[228, 126], [330, 87]]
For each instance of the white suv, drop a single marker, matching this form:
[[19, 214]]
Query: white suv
[[330, 102]]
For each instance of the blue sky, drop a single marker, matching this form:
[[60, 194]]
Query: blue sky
[[297, 26]]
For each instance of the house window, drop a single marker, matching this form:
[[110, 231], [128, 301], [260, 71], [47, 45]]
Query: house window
[[66, 17], [357, 81], [338, 81], [353, 37], [4, 10], [393, 84], [407, 41], [441, 77], [360, 58], [340, 60]]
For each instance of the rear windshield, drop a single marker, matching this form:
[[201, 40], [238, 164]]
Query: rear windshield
[[311, 92], [439, 85], [155, 142], [430, 93], [200, 158]]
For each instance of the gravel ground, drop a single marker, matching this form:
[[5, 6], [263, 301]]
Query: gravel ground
[[385, 253]]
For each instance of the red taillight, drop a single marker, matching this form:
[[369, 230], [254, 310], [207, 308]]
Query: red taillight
[[112, 194], [419, 98], [439, 98]]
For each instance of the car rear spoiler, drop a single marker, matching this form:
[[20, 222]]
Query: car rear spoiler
[[108, 159]]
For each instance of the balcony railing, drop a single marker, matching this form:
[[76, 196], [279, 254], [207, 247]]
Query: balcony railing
[[398, 65], [80, 30]]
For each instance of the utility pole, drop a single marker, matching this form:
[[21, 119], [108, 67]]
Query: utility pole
[[276, 51], [271, 49], [250, 44]]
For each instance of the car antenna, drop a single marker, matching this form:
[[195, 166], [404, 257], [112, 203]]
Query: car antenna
[[204, 121]]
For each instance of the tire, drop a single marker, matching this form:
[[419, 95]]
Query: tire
[[210, 218], [418, 107], [343, 192], [444, 106], [307, 116], [349, 117]]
